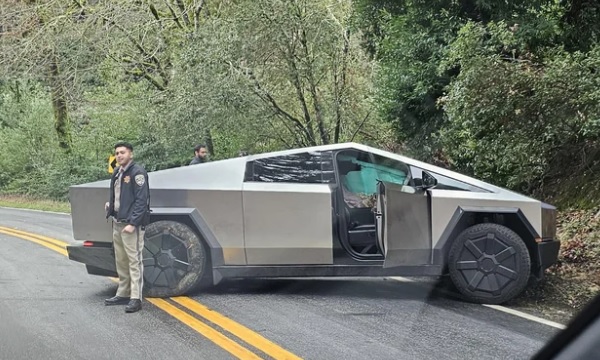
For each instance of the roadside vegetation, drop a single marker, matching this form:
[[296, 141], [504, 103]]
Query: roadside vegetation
[[508, 92], [25, 202], [574, 280]]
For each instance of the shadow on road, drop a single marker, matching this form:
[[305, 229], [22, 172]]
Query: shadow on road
[[348, 289], [386, 293], [107, 292]]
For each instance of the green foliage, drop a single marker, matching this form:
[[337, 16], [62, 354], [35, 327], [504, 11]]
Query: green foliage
[[25, 133], [35, 164], [411, 39], [521, 122], [505, 91], [285, 73], [236, 75], [52, 181]]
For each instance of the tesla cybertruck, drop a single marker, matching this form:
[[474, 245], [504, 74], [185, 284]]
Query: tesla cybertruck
[[334, 210]]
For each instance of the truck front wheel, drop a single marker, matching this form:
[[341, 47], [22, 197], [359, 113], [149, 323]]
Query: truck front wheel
[[489, 263]]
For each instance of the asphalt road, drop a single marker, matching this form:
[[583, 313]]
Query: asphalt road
[[51, 309]]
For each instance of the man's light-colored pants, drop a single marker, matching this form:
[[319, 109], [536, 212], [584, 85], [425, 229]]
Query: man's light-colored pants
[[128, 256]]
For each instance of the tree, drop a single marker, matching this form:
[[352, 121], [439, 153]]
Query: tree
[[166, 75], [505, 91], [41, 33], [295, 65]]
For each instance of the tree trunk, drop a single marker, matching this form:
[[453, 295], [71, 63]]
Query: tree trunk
[[313, 90], [59, 105], [340, 87], [208, 140]]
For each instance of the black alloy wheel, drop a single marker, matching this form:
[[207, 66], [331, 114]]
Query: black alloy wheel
[[489, 263], [174, 259]]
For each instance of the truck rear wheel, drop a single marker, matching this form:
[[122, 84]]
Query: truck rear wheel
[[174, 259], [489, 263]]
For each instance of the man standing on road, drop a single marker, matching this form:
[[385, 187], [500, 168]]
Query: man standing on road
[[129, 208], [200, 153]]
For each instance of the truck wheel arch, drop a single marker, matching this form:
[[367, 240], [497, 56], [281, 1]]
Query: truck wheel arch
[[465, 217], [175, 259], [193, 219]]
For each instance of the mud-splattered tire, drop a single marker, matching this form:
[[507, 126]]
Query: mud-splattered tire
[[489, 263], [174, 259]]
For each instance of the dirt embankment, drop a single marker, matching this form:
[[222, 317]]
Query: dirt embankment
[[575, 279]]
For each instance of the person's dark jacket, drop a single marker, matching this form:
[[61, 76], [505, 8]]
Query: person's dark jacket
[[196, 160], [135, 195]]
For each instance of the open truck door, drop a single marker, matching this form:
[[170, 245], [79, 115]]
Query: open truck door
[[403, 224]]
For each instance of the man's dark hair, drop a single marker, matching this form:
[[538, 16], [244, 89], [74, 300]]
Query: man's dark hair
[[198, 147], [124, 144]]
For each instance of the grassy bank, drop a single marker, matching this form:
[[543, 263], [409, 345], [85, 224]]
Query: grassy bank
[[568, 286], [24, 202]]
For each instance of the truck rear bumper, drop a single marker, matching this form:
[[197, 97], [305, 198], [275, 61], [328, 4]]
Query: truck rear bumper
[[99, 258]]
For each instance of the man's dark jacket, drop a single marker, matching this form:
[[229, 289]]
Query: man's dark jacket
[[135, 195], [197, 160]]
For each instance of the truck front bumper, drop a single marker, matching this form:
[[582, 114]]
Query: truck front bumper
[[547, 252]]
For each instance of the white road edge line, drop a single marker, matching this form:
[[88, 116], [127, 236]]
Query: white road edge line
[[33, 210], [400, 278], [525, 316], [501, 308]]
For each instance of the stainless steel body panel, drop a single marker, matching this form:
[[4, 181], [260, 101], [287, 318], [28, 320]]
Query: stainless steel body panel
[[87, 213], [288, 224], [222, 211], [406, 237], [445, 202], [214, 189]]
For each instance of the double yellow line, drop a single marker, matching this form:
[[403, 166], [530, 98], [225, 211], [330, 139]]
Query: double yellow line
[[184, 309]]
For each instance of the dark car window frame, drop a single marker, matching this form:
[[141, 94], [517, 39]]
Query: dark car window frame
[[314, 167]]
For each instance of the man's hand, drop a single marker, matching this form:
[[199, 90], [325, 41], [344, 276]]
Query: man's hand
[[129, 229], [106, 206]]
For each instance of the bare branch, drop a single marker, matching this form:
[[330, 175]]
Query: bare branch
[[300, 94], [197, 14], [358, 129], [268, 98], [298, 139], [140, 72], [142, 51], [175, 17], [154, 12], [265, 96], [340, 88], [313, 90], [184, 14]]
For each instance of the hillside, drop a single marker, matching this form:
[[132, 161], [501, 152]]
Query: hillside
[[575, 279]]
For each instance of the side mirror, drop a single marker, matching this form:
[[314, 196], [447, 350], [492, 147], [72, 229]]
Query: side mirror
[[428, 181]]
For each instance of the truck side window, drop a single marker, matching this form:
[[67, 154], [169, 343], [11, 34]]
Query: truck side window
[[305, 168]]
